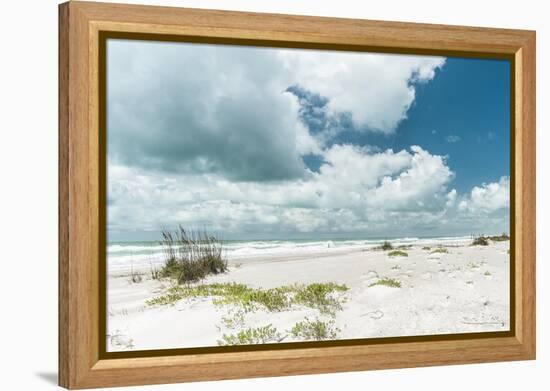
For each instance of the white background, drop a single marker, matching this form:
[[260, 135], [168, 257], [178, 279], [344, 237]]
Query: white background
[[28, 193]]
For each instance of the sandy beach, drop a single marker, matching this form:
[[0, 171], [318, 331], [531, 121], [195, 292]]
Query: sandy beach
[[437, 288]]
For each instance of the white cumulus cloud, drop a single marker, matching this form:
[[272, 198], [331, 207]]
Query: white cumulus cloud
[[356, 189], [488, 197], [377, 89], [179, 107]]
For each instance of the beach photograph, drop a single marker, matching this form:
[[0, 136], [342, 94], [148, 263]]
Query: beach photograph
[[273, 195]]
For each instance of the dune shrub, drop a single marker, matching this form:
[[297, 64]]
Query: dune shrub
[[252, 336], [390, 282], [316, 330], [500, 238], [398, 253], [480, 241], [190, 256], [386, 246]]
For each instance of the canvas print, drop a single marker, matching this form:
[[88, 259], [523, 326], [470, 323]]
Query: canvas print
[[269, 195]]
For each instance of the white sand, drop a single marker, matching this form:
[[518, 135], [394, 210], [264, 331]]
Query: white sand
[[466, 290]]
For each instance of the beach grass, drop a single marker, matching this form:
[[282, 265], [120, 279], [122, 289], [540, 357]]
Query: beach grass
[[440, 250], [480, 241], [154, 272], [390, 282], [315, 330], [397, 253], [385, 246], [499, 238], [190, 256]]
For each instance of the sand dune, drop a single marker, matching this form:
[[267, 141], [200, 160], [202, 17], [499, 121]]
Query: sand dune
[[464, 290]]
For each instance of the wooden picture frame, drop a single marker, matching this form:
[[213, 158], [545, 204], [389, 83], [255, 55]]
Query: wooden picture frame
[[82, 26]]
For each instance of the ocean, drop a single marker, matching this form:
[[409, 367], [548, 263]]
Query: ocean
[[122, 255]]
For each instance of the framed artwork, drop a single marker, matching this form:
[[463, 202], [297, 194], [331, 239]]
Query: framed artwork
[[248, 195]]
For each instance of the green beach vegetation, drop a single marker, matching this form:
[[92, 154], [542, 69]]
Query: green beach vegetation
[[390, 282], [315, 330], [397, 253], [321, 296], [480, 241], [385, 246], [241, 299], [154, 271], [252, 336], [405, 247], [190, 256], [483, 240], [305, 330], [500, 238], [234, 319]]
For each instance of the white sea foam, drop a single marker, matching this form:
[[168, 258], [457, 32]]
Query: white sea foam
[[117, 248], [144, 254]]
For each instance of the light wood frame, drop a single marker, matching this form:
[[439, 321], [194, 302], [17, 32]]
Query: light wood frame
[[81, 364]]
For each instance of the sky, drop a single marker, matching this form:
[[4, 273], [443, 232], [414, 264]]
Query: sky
[[265, 143]]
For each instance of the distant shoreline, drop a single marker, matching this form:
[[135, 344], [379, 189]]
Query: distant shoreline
[[122, 257]]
